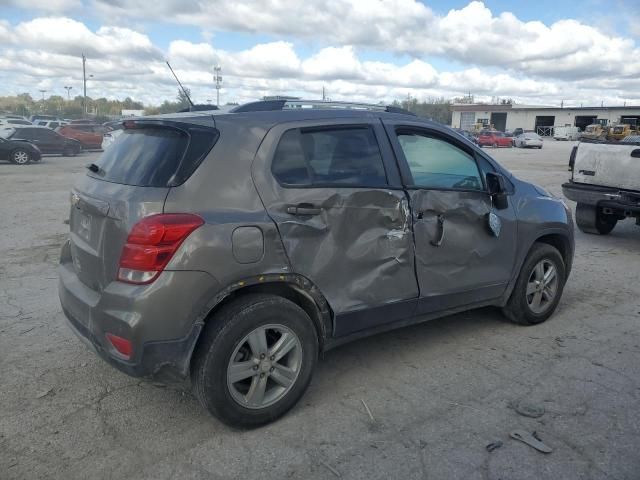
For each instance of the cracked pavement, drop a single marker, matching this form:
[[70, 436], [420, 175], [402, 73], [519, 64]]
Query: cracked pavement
[[438, 392]]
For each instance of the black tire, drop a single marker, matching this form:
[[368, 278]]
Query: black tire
[[20, 156], [517, 308], [222, 335], [590, 219], [71, 151]]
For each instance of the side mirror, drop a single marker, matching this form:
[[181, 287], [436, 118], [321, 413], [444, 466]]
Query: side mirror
[[495, 184], [497, 188]]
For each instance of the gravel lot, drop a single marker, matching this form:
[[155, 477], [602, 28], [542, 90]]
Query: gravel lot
[[438, 392]]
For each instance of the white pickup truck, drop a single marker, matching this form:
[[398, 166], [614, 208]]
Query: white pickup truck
[[605, 183]]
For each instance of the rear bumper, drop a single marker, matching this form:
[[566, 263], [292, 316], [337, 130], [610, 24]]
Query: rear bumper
[[604, 197], [162, 320]]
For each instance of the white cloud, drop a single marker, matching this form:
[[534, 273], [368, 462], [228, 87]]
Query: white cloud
[[67, 36], [502, 55], [472, 34], [54, 6]]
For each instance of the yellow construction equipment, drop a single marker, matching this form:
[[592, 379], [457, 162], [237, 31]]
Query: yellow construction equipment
[[595, 131], [618, 132]]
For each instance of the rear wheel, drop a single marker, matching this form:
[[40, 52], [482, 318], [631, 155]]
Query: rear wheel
[[538, 288], [590, 219], [71, 151], [20, 157], [254, 360]]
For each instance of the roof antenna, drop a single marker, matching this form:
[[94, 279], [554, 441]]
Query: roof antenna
[[183, 89]]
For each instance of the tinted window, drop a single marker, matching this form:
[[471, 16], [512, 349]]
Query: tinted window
[[46, 134], [435, 163], [338, 156], [27, 133], [155, 156]]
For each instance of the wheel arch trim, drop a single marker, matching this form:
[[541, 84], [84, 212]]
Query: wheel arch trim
[[294, 287], [548, 236]]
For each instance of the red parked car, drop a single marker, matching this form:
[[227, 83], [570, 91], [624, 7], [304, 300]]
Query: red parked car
[[488, 138], [90, 136]]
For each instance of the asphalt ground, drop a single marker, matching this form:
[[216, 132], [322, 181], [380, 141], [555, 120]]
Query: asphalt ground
[[438, 393]]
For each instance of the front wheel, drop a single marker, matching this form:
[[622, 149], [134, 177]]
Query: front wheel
[[590, 219], [20, 157], [539, 286], [254, 360]]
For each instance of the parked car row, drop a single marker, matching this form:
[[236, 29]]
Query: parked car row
[[51, 135], [493, 138], [45, 140]]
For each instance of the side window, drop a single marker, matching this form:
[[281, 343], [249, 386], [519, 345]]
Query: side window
[[336, 156], [435, 163], [31, 134], [47, 134]]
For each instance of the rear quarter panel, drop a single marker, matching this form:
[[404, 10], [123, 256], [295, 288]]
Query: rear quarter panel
[[222, 192]]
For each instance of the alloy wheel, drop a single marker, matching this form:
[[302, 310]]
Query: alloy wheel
[[264, 366], [542, 286], [21, 157]]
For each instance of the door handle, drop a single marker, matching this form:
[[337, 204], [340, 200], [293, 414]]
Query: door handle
[[437, 243], [303, 209], [635, 153]]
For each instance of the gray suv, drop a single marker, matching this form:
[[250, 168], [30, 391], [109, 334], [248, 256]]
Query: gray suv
[[234, 248]]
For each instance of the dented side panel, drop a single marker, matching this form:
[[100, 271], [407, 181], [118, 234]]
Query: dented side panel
[[470, 263], [358, 250]]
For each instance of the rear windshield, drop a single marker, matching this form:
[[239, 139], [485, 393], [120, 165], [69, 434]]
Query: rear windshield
[[155, 156]]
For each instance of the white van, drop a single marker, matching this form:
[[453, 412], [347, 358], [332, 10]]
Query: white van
[[566, 133]]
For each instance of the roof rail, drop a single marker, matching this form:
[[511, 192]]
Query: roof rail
[[273, 105]]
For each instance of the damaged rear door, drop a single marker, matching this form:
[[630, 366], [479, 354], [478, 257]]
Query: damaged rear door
[[334, 191], [462, 258]]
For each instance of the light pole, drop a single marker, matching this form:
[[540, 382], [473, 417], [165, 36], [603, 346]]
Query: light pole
[[68, 89], [218, 79], [84, 83], [42, 92]]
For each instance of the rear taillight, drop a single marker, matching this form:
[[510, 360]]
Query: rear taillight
[[151, 244], [122, 345]]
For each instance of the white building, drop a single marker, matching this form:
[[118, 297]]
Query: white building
[[536, 118]]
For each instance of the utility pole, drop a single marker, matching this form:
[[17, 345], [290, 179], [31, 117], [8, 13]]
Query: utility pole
[[218, 79], [324, 96], [42, 106], [84, 83], [562, 104], [68, 89]]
